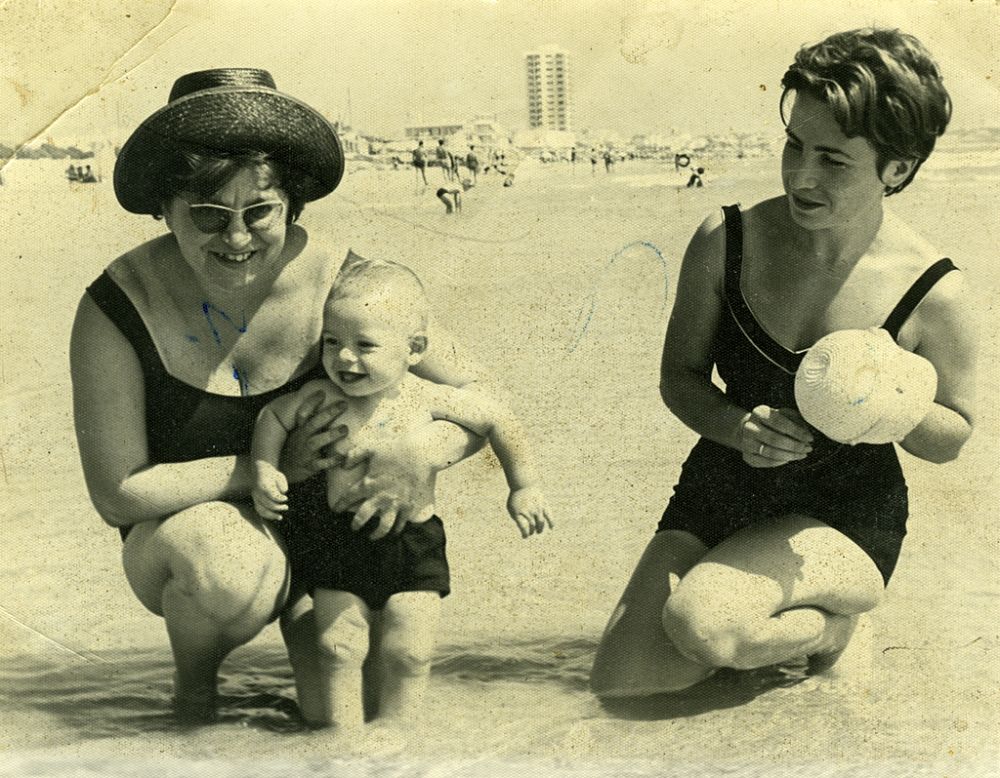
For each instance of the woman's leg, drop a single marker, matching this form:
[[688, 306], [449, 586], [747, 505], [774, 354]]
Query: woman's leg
[[771, 593], [217, 576], [407, 631], [343, 624], [634, 657]]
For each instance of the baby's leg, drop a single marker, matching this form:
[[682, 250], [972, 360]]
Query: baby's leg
[[407, 631], [343, 621]]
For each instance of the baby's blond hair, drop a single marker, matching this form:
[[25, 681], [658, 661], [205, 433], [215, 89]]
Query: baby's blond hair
[[387, 283]]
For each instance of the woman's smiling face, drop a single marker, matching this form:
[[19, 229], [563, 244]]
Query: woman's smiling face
[[237, 254], [829, 178]]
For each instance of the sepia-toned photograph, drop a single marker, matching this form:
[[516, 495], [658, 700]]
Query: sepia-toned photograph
[[473, 388]]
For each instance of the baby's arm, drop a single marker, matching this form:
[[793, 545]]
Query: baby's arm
[[275, 421], [486, 416]]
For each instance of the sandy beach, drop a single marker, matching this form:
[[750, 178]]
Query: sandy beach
[[561, 285]]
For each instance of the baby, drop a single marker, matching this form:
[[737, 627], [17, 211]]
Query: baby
[[378, 597]]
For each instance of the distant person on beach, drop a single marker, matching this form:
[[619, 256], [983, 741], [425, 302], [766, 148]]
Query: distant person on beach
[[472, 163], [451, 195], [442, 159], [420, 162], [183, 340], [609, 161], [378, 598], [593, 162], [695, 179], [777, 537], [88, 176]]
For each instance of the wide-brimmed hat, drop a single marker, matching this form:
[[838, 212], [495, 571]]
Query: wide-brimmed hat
[[222, 111]]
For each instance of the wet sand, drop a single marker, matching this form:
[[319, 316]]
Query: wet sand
[[562, 285]]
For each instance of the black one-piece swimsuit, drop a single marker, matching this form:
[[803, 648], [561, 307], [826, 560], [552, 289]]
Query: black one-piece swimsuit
[[858, 490]]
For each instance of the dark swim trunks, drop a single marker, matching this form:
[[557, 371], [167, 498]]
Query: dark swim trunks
[[325, 553], [184, 423], [858, 490]]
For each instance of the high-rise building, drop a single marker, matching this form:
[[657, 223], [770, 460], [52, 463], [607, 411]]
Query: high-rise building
[[549, 105]]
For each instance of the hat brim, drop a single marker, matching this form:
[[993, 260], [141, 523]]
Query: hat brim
[[222, 121]]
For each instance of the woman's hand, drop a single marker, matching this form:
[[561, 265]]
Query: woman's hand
[[397, 486], [770, 437], [308, 449]]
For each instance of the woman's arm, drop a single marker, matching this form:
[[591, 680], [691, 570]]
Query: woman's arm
[[110, 420], [444, 444], [686, 366], [946, 321]]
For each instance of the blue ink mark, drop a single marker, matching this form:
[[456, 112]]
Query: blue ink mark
[[192, 338], [207, 308], [244, 384], [591, 305]]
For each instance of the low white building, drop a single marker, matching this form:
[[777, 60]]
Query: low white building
[[540, 138], [482, 132]]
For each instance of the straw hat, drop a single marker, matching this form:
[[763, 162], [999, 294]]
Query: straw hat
[[858, 386], [223, 111]]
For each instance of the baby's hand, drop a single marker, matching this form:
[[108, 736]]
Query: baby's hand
[[527, 507], [270, 491]]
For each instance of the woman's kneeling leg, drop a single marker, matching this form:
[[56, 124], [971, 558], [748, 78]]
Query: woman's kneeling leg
[[634, 657], [217, 576], [772, 593]]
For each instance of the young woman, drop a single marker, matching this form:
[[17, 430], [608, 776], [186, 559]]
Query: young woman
[[779, 537]]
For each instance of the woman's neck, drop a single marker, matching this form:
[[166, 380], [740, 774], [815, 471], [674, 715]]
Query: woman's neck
[[838, 249]]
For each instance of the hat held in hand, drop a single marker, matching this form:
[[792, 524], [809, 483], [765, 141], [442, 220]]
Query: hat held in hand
[[858, 386], [224, 111]]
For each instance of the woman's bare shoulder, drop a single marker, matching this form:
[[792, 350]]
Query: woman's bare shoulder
[[767, 218], [138, 271], [315, 256], [899, 239]]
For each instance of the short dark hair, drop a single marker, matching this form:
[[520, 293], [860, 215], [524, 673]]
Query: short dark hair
[[205, 174], [881, 85]]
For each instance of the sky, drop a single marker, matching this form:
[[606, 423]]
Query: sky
[[93, 70]]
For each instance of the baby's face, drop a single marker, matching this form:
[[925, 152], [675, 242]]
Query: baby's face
[[365, 350]]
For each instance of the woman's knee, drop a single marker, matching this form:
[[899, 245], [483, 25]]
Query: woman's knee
[[213, 555], [701, 632]]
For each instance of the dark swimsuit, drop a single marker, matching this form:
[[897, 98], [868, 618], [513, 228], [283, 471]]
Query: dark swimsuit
[[858, 490], [184, 423]]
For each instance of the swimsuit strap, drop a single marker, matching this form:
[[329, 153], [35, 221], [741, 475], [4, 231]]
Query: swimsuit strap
[[756, 335], [734, 250], [915, 294], [117, 306]]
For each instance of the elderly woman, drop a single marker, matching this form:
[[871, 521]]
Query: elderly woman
[[777, 538], [180, 343]]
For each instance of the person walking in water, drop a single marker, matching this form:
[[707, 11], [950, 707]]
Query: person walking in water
[[420, 162], [472, 163], [443, 161]]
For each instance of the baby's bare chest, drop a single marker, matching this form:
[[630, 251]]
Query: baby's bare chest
[[390, 420]]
